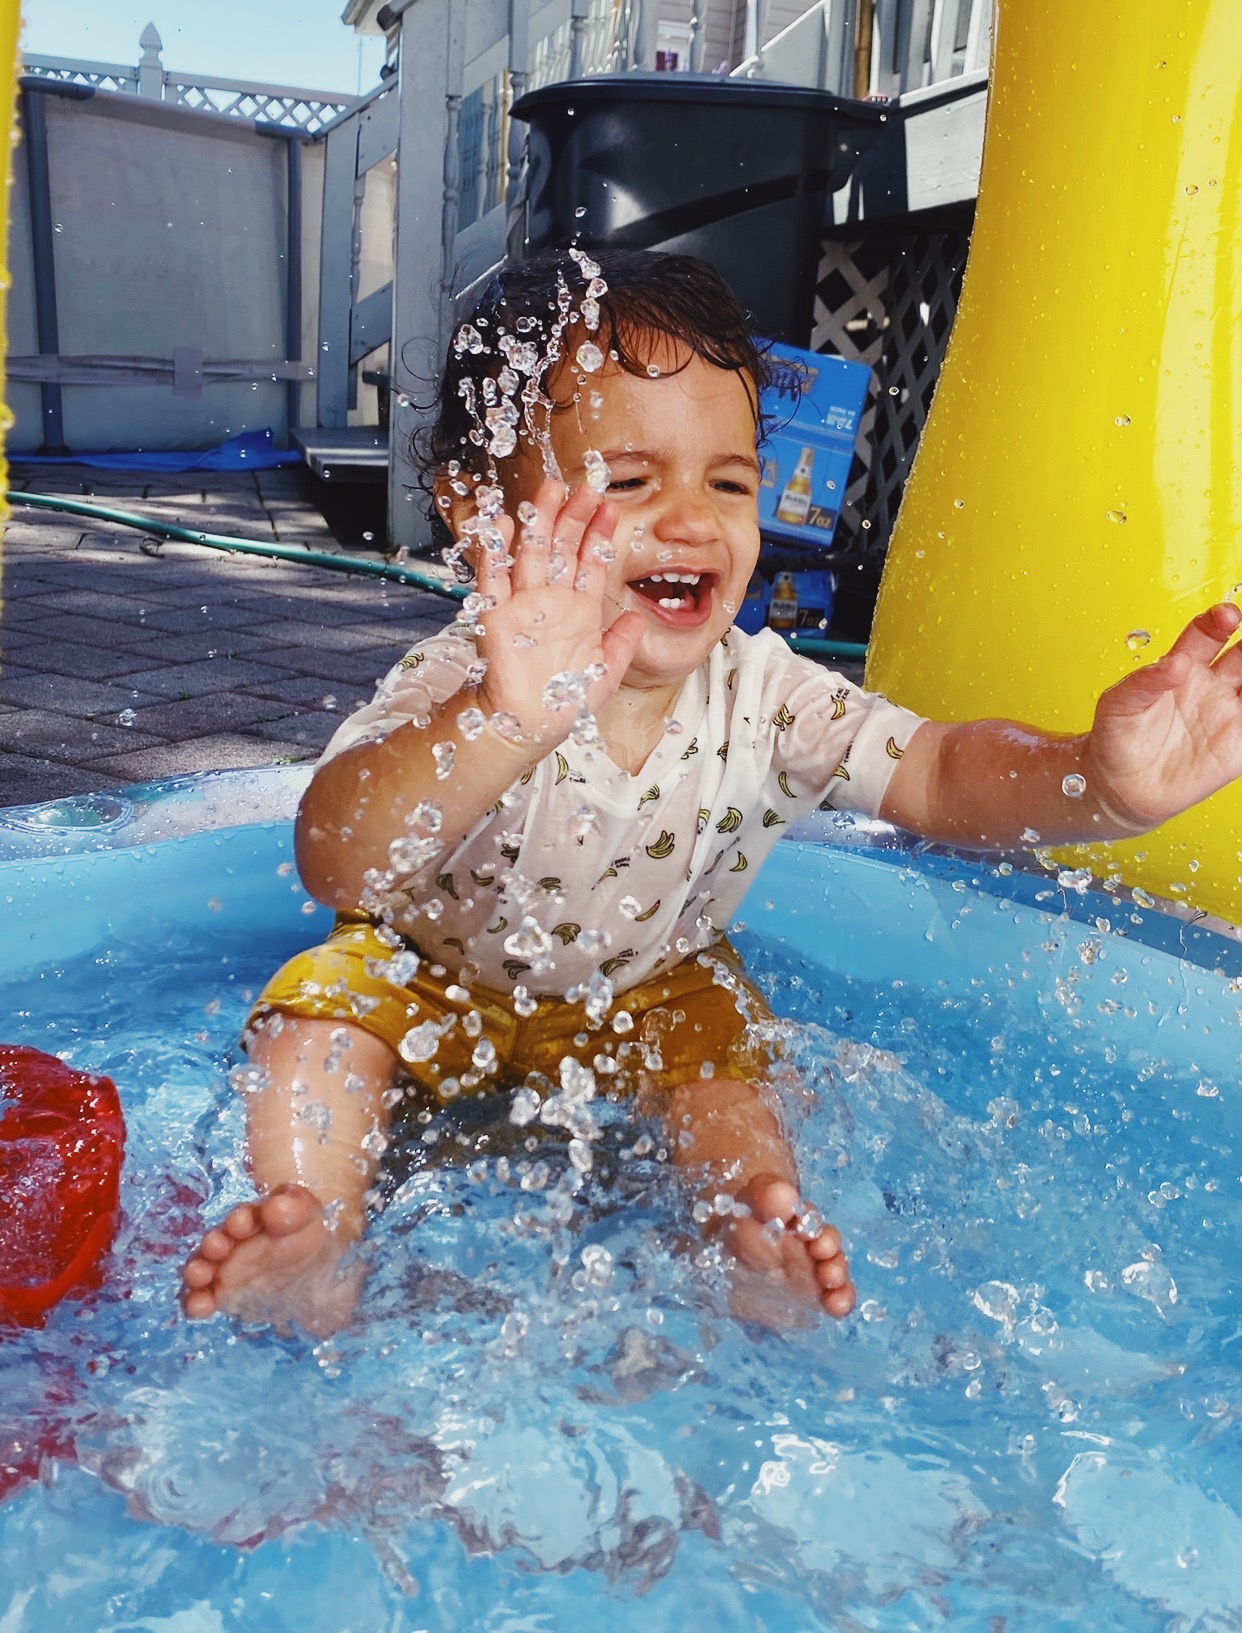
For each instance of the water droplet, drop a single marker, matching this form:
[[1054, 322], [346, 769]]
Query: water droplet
[[420, 1043], [426, 814], [589, 356], [126, 717], [524, 1108], [467, 339], [579, 212], [471, 723], [566, 688], [524, 1006], [959, 504], [443, 754], [529, 940], [1073, 786], [1137, 639], [407, 853], [506, 725], [1191, 190], [584, 821]]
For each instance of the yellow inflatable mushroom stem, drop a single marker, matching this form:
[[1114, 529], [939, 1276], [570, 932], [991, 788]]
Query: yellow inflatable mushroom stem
[[1077, 494]]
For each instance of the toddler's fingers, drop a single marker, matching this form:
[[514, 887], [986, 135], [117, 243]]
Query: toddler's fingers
[[596, 549], [1204, 636], [533, 543], [573, 521], [620, 641], [491, 569], [1137, 692]]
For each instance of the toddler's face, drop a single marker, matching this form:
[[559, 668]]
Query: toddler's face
[[683, 472]]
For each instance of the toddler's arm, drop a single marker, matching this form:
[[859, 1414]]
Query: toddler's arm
[[547, 619], [1163, 739]]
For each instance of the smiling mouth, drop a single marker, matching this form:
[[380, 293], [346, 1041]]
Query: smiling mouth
[[675, 593]]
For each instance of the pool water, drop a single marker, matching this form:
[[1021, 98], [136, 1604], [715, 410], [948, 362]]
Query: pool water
[[1023, 1118]]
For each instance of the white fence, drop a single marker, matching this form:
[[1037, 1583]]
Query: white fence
[[286, 105]]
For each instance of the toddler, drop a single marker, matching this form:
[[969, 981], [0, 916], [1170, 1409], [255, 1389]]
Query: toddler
[[537, 832]]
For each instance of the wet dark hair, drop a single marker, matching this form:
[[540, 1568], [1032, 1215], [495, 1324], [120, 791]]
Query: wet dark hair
[[648, 294]]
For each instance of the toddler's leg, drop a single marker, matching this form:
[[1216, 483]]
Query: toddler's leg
[[730, 1128], [311, 1123]]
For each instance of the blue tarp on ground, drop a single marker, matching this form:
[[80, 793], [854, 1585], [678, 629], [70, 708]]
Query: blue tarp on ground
[[250, 451]]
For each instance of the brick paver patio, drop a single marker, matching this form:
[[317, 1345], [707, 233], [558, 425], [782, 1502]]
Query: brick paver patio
[[119, 666]]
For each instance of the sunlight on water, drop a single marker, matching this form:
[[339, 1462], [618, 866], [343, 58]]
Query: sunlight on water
[[545, 1408]]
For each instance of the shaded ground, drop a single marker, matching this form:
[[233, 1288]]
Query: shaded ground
[[118, 666]]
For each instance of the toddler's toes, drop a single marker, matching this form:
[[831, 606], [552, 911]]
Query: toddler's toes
[[832, 1272], [768, 1198], [827, 1245], [198, 1272], [840, 1301], [199, 1305], [286, 1210], [237, 1226]]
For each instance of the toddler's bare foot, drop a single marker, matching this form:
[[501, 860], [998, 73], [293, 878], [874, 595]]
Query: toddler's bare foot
[[785, 1271], [274, 1260]]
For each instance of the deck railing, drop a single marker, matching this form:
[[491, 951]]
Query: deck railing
[[286, 105], [877, 47]]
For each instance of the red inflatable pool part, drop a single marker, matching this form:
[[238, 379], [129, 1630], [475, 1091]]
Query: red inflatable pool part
[[61, 1141]]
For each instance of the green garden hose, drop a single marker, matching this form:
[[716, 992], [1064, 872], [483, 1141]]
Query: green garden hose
[[394, 572]]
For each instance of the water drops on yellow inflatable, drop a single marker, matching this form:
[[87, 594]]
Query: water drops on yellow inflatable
[[1077, 495]]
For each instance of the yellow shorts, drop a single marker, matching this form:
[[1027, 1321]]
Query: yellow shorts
[[675, 1028]]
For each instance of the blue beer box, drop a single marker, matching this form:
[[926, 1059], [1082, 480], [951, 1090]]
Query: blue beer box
[[814, 404]]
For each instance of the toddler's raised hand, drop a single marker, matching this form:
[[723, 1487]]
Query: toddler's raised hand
[[547, 641], [1170, 734]]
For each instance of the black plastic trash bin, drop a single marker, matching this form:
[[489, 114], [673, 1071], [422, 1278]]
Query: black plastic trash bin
[[735, 171]]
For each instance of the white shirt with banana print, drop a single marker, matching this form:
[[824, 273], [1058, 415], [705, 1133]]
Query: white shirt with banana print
[[583, 870]]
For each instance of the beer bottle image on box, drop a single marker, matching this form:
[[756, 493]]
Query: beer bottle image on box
[[795, 502], [783, 607]]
